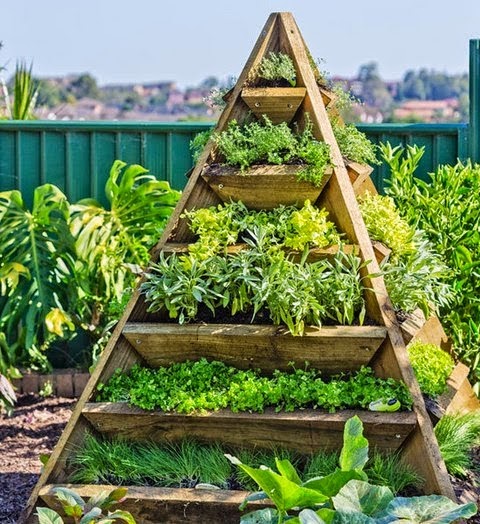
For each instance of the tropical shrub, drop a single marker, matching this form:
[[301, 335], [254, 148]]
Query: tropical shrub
[[344, 496], [112, 245], [447, 209], [37, 270], [65, 268]]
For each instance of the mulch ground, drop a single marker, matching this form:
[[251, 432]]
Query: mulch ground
[[36, 426]]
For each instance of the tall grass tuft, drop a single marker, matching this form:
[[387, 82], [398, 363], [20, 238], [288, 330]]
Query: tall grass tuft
[[457, 435]]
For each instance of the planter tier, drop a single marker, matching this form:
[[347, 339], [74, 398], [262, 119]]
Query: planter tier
[[279, 104], [305, 431], [263, 186], [332, 349], [151, 505]]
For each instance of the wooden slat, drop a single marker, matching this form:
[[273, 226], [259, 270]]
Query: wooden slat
[[263, 186], [382, 252], [279, 104], [305, 431], [151, 505], [458, 397], [412, 325], [431, 332], [314, 254], [331, 348]]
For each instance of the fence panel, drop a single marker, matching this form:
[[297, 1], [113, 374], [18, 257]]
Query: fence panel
[[77, 156]]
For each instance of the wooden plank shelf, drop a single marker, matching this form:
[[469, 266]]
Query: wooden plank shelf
[[331, 348], [317, 253], [458, 397], [305, 430], [263, 186], [150, 505]]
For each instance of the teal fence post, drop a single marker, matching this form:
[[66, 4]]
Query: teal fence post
[[474, 127]]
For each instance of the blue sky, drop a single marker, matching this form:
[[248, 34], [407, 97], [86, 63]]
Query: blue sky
[[120, 41]]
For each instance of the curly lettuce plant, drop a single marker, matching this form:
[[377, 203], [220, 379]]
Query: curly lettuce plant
[[226, 224], [432, 367]]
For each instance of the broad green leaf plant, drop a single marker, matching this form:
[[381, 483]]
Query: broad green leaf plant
[[112, 245], [37, 259], [65, 268], [343, 497], [94, 511]]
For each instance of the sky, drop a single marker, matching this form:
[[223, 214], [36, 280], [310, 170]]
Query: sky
[[126, 41]]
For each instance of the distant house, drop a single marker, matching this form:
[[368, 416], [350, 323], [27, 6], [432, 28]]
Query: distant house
[[427, 110]]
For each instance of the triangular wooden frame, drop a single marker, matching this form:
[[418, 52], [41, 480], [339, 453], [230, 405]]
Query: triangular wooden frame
[[420, 448]]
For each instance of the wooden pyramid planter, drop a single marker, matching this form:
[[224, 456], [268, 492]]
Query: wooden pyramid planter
[[145, 338]]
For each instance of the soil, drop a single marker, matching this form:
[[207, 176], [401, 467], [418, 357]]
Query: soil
[[35, 427]]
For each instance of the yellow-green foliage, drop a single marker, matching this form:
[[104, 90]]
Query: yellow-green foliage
[[309, 226], [385, 224], [432, 367]]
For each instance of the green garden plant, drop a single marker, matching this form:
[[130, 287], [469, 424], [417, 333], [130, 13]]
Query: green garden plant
[[91, 512], [65, 268], [267, 143], [344, 496], [432, 367], [353, 144], [198, 386], [189, 463], [414, 274], [457, 434], [25, 92], [112, 244], [37, 269], [446, 208], [276, 67]]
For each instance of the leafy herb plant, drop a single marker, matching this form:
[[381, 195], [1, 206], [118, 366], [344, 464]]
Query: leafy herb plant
[[264, 142], [353, 144], [277, 66], [189, 387]]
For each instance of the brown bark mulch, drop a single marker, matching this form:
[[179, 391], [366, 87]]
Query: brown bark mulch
[[37, 424]]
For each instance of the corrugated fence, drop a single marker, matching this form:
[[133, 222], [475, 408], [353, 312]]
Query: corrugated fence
[[77, 156]]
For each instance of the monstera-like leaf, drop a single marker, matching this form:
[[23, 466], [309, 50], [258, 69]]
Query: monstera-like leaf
[[111, 243], [36, 264]]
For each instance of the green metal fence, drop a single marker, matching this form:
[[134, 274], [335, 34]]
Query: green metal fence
[[76, 156]]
